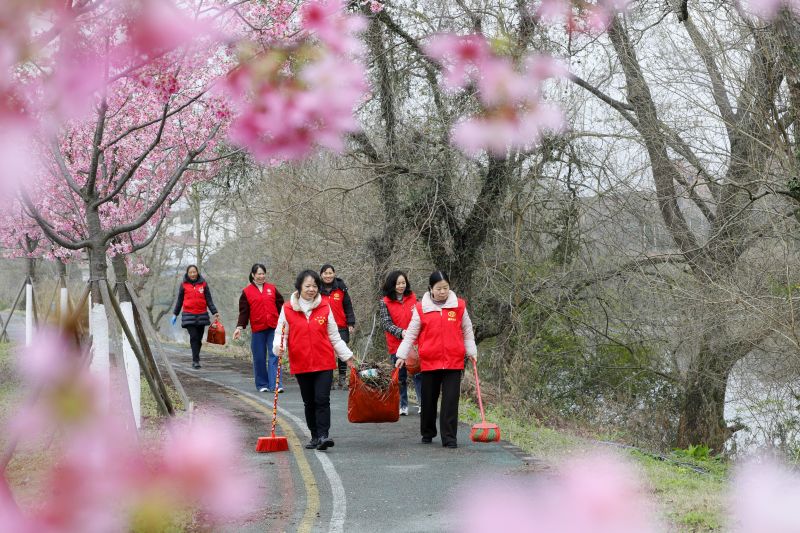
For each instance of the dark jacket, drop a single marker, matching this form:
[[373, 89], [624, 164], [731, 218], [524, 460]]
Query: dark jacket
[[192, 319], [338, 283]]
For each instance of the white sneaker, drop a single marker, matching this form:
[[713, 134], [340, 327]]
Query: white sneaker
[[404, 411], [280, 389], [263, 389], [419, 409]]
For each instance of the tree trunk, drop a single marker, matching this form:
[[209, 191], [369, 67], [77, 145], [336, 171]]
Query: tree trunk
[[132, 370], [702, 419]]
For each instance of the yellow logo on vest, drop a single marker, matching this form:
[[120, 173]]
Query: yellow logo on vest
[[451, 316], [321, 320], [337, 296]]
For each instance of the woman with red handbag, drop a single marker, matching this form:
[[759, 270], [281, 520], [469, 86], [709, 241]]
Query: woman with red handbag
[[396, 308], [194, 301]]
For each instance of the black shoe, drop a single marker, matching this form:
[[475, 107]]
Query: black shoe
[[450, 445], [426, 440], [196, 365], [325, 443], [312, 443]]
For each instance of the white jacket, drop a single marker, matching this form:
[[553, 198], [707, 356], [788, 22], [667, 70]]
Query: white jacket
[[339, 346], [412, 331]]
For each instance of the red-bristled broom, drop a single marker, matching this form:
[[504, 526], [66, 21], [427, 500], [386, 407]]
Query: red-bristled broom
[[483, 431], [273, 443]]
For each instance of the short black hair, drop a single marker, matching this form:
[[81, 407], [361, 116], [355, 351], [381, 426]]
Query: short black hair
[[391, 281], [298, 283], [436, 277], [254, 269], [325, 267]]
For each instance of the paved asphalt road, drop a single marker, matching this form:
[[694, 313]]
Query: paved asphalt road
[[378, 477]]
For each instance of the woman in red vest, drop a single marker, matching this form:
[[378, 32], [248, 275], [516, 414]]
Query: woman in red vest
[[441, 327], [396, 308], [260, 304], [312, 337], [194, 298], [335, 290]]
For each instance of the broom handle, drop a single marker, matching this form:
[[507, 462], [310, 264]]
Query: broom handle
[[478, 387], [277, 382]]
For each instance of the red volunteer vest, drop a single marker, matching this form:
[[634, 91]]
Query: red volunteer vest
[[401, 316], [336, 300], [310, 349], [194, 298], [441, 341], [263, 313]]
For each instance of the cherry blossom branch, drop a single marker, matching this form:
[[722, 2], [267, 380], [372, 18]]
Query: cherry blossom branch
[[174, 111], [136, 164], [96, 149], [166, 190], [51, 233], [62, 167]]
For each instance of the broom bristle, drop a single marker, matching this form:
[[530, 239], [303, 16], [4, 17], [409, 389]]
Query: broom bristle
[[272, 444], [485, 433]]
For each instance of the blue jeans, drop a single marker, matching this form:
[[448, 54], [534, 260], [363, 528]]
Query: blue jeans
[[404, 385], [261, 345]]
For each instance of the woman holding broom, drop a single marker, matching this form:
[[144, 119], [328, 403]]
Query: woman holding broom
[[396, 307], [307, 331], [442, 329]]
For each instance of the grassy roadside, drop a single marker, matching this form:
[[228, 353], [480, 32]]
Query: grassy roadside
[[690, 501]]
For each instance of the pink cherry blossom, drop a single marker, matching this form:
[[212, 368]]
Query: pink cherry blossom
[[328, 21], [513, 114], [595, 494], [462, 56], [201, 461], [767, 9], [552, 11], [580, 16], [283, 108], [764, 497], [155, 26]]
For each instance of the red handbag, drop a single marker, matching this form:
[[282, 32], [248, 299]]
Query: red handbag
[[412, 361], [216, 333]]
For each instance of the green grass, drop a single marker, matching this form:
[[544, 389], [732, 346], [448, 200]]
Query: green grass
[[689, 501], [8, 382]]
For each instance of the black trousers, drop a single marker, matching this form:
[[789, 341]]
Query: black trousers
[[344, 333], [195, 340], [315, 389], [448, 383]]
